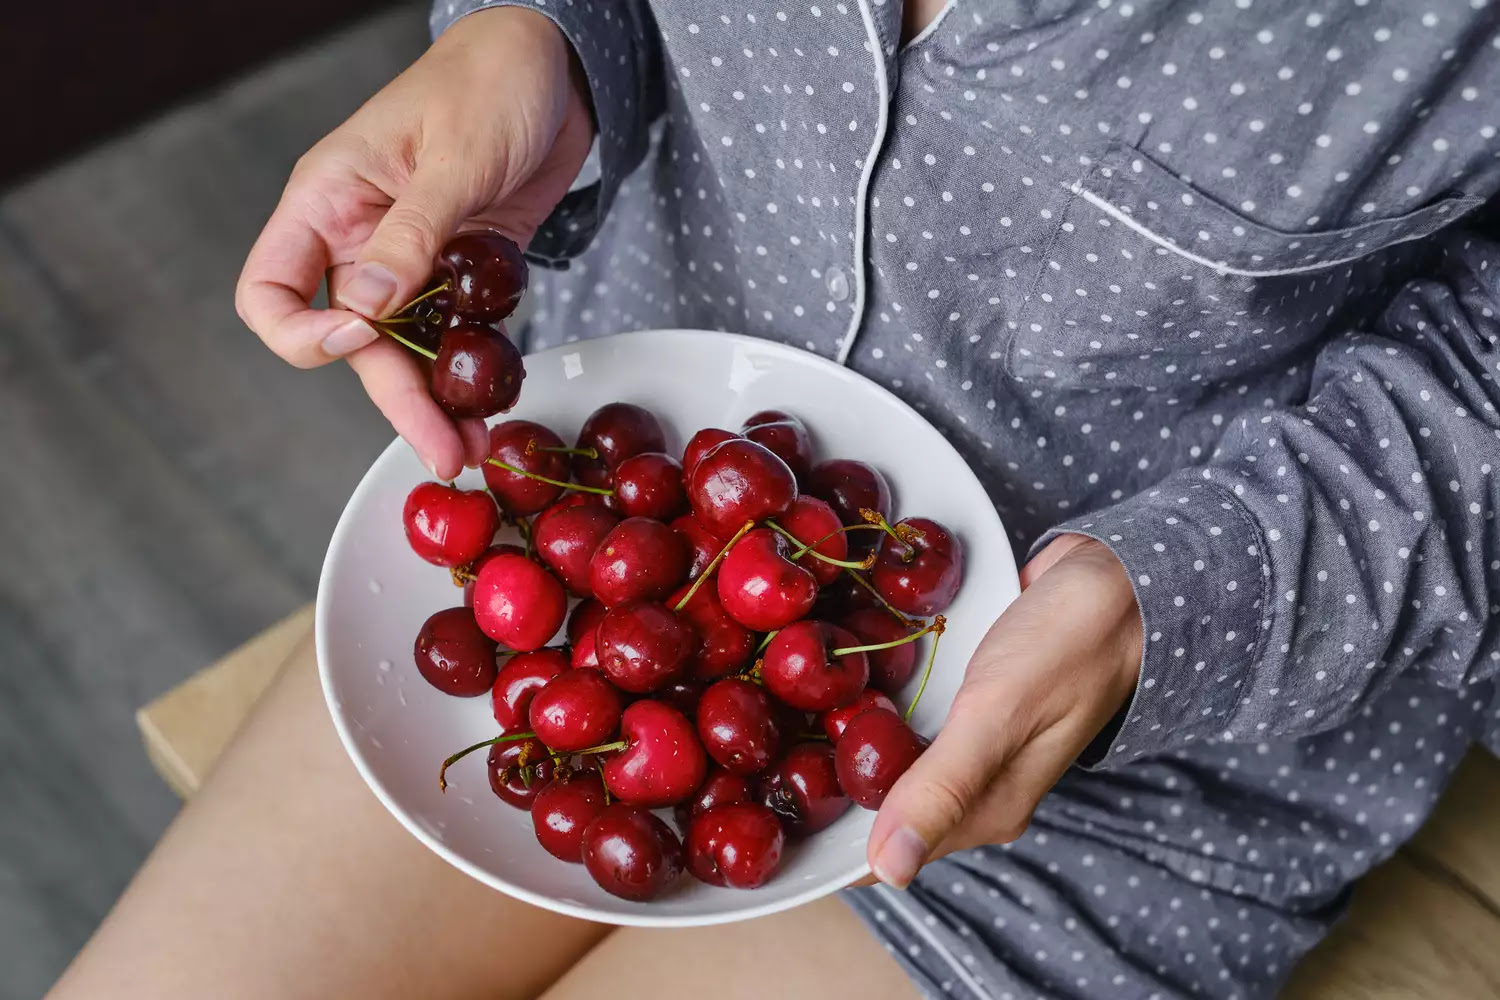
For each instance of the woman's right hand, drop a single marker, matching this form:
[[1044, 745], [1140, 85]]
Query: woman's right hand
[[487, 130]]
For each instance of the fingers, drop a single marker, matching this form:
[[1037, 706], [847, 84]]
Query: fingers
[[398, 387], [476, 441]]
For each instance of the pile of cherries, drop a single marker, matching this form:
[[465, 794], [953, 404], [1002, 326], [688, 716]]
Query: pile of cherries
[[745, 618], [458, 324]]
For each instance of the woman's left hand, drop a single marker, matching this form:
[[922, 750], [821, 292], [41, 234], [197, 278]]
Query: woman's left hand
[[1050, 674]]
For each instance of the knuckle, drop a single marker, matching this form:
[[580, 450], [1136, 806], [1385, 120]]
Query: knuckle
[[948, 798]]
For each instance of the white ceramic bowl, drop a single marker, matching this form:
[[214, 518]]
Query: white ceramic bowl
[[375, 593]]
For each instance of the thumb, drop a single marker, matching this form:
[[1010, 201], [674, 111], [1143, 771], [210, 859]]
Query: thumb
[[396, 262]]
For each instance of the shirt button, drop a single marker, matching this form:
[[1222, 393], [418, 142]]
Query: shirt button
[[838, 283]]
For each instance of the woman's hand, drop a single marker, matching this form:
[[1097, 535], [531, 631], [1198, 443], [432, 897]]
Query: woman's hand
[[488, 129], [1051, 673]]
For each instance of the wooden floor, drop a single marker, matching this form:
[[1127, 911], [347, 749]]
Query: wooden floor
[[167, 487]]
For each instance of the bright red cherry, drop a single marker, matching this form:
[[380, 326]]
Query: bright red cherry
[[921, 577], [631, 853], [760, 587], [810, 519], [478, 372], [639, 559], [563, 810], [849, 486], [567, 540], [486, 275], [801, 669], [615, 432], [877, 748], [518, 682], [662, 761], [567, 502], [702, 545], [738, 726], [649, 485], [478, 564], [575, 710], [836, 720], [701, 444], [518, 603], [453, 655], [518, 771], [524, 445], [785, 435], [584, 654], [803, 789], [736, 845], [448, 526], [739, 481], [719, 788], [892, 668], [642, 646], [724, 646], [584, 618]]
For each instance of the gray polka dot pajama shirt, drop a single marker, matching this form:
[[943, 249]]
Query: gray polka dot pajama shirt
[[1211, 282]]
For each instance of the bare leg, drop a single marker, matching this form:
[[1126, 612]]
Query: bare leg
[[286, 878], [818, 950]]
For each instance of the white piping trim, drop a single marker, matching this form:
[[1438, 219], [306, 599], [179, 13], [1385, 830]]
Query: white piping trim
[[861, 203], [893, 900], [1218, 265], [932, 26]]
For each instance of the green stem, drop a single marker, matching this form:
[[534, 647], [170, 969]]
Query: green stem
[[766, 641], [864, 563], [422, 298], [938, 624], [405, 343], [931, 658], [550, 482], [603, 748], [877, 519], [883, 602], [532, 448], [844, 530], [443, 771], [708, 570]]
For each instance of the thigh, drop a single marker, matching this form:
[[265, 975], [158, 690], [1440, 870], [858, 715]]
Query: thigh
[[286, 878], [821, 949]]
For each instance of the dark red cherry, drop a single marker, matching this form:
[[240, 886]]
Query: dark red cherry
[[563, 810], [738, 726], [724, 646], [518, 603], [567, 540], [719, 788], [478, 564], [803, 789], [682, 694], [631, 853], [518, 682], [921, 577], [523, 444], [702, 545], [810, 519], [567, 502], [649, 485], [877, 748], [836, 720], [739, 481], [786, 436], [890, 669], [453, 655], [575, 710], [584, 618], [518, 771], [448, 526], [584, 654], [662, 762], [801, 669], [701, 444], [639, 559], [843, 597], [760, 587], [478, 372], [486, 274], [616, 431], [642, 646], [736, 845], [848, 486]]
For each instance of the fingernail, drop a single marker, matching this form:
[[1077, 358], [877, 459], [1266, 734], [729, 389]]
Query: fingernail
[[369, 291], [348, 338], [900, 857]]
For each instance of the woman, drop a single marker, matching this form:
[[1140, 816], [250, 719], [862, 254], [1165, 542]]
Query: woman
[[1204, 297]]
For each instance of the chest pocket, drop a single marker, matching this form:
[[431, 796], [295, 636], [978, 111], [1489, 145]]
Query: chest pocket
[[1150, 283]]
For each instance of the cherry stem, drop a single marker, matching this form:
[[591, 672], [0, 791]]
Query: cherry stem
[[766, 641], [938, 624], [391, 320], [405, 343], [600, 766], [939, 621], [550, 482], [713, 565], [524, 527], [805, 549], [813, 736], [443, 771], [422, 298], [844, 530], [603, 748], [532, 448], [883, 602]]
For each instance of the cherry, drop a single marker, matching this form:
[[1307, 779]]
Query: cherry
[[785, 435], [477, 372], [919, 573], [702, 545], [453, 655], [518, 771], [845, 596], [641, 646], [518, 603], [738, 726], [567, 540], [810, 520], [804, 669], [584, 618], [523, 444], [518, 682], [739, 481], [584, 654], [575, 710], [563, 809], [803, 789], [892, 668], [615, 432], [682, 694], [701, 444], [836, 720], [649, 485], [631, 853], [661, 762], [472, 575], [737, 845], [568, 502], [448, 526], [849, 487], [724, 646], [877, 748], [760, 587], [639, 559], [486, 275], [719, 788]]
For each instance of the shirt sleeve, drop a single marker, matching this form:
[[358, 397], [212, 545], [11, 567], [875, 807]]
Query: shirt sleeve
[[619, 49], [1328, 547]]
